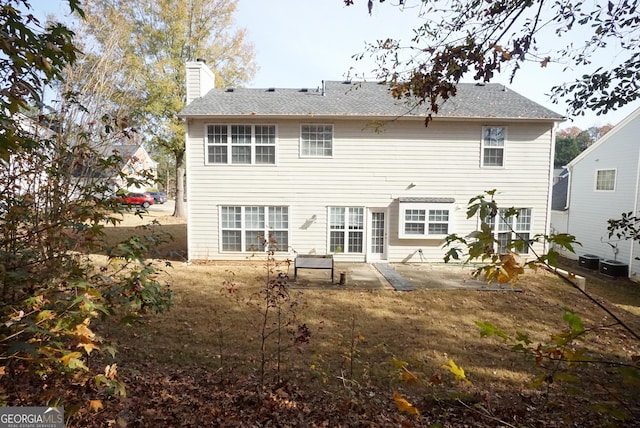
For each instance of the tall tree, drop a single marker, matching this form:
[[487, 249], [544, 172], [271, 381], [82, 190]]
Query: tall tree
[[162, 36], [567, 148], [31, 55], [480, 38], [570, 142]]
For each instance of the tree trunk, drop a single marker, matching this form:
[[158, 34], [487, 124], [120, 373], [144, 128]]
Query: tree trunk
[[181, 206]]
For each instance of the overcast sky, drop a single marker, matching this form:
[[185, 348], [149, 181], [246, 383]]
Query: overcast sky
[[299, 43]]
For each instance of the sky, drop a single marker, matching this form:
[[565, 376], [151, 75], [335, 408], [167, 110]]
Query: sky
[[299, 43]]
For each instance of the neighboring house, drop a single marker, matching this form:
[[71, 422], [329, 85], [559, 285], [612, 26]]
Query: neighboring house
[[19, 175], [134, 171], [559, 174], [136, 164], [346, 169], [603, 182], [22, 173]]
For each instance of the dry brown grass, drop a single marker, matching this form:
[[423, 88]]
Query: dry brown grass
[[173, 230], [212, 328]]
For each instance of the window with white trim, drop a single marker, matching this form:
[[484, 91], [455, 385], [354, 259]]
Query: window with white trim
[[606, 180], [316, 140], [493, 146], [346, 230], [509, 229], [241, 144], [425, 220], [254, 228]]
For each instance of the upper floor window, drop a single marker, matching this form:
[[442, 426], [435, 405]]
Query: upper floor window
[[316, 140], [493, 145], [241, 144], [606, 179]]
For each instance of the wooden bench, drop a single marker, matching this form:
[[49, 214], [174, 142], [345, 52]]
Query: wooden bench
[[313, 261]]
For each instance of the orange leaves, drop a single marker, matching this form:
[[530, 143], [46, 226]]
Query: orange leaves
[[504, 54], [88, 347], [83, 331], [403, 405], [512, 265], [86, 337], [72, 360], [508, 271], [95, 405]]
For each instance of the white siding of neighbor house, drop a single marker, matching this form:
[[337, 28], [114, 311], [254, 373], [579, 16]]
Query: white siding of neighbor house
[[368, 169], [589, 209], [559, 221]]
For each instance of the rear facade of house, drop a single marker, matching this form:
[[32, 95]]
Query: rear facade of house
[[346, 169]]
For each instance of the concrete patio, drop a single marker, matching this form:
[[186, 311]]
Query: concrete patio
[[421, 276]]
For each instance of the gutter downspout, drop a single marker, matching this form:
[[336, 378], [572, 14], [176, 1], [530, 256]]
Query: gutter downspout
[[547, 229], [635, 212]]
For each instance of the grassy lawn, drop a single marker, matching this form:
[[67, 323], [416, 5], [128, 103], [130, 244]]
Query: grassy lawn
[[369, 343]]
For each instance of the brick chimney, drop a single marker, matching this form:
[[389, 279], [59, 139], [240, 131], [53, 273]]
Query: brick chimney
[[200, 79]]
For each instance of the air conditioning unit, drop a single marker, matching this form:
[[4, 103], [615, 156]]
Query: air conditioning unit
[[614, 268], [589, 261]]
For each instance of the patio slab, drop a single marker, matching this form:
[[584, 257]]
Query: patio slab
[[419, 276]]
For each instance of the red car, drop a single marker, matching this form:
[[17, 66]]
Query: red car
[[142, 199]]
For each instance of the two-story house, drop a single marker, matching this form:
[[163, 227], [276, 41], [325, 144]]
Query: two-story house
[[346, 169]]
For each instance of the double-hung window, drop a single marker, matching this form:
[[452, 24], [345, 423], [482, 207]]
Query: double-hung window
[[254, 228], [241, 144], [514, 228], [425, 220], [493, 146], [606, 180], [316, 140], [346, 230]]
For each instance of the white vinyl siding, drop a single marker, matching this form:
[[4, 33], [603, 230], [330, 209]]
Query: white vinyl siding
[[606, 180], [370, 169], [589, 209], [346, 230], [493, 146], [254, 228], [241, 144], [316, 140]]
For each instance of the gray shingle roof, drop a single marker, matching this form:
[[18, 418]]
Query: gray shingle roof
[[364, 99]]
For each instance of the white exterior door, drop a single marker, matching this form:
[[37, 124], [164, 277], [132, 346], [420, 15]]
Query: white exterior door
[[377, 242]]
